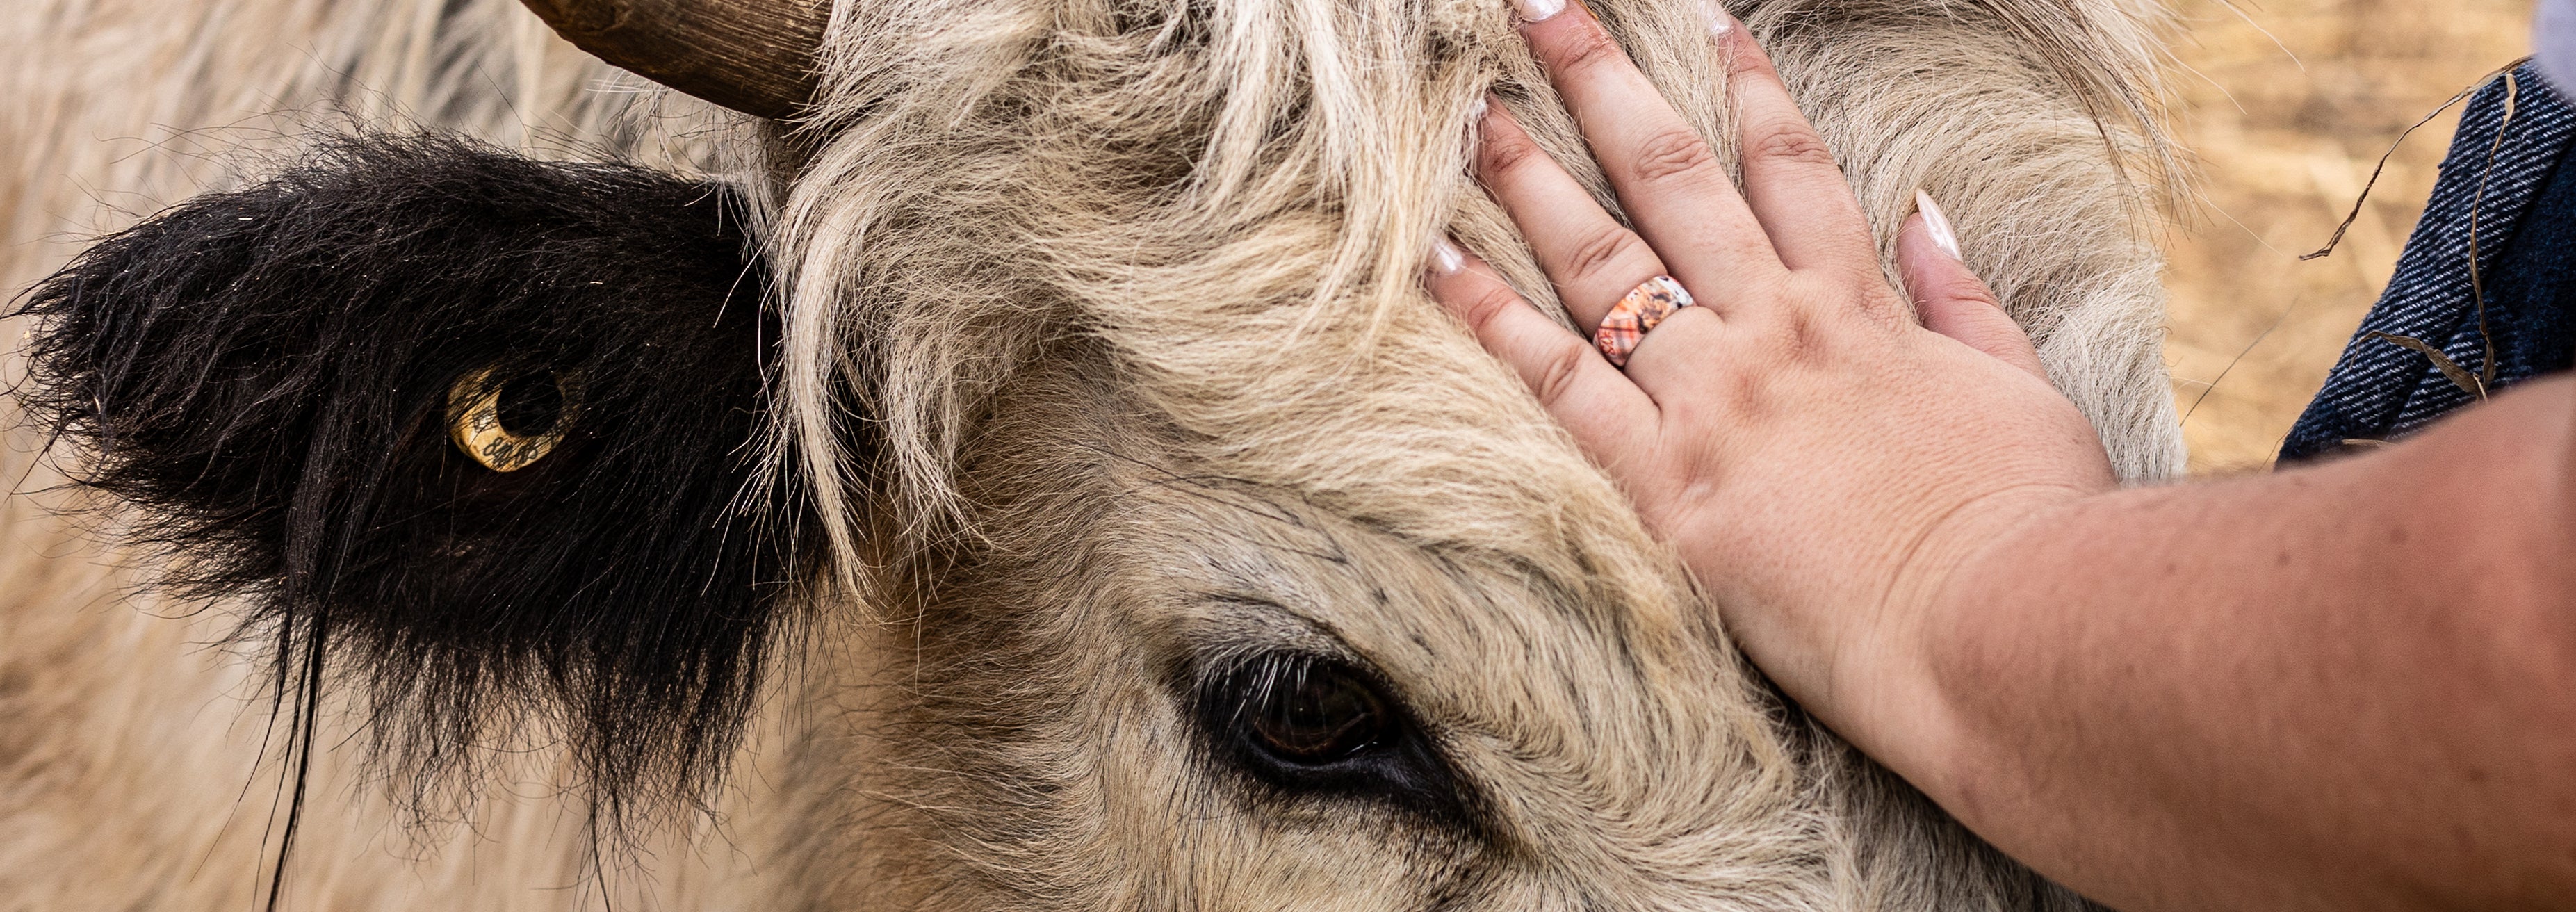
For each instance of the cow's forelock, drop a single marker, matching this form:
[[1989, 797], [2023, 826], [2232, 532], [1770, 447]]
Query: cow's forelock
[[1235, 199]]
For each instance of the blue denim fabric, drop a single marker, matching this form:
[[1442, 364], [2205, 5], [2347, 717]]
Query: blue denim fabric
[[2526, 229]]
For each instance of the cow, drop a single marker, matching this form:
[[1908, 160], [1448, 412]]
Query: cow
[[986, 455]]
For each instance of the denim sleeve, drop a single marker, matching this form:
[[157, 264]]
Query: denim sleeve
[[2513, 316]]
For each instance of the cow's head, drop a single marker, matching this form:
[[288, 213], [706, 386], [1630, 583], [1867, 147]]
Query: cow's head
[[1069, 414]]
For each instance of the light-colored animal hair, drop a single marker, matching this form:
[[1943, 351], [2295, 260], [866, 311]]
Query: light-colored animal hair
[[121, 107], [1235, 197], [1104, 295], [1216, 214]]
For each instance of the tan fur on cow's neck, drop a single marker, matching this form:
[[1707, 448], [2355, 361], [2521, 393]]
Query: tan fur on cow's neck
[[1130, 303]]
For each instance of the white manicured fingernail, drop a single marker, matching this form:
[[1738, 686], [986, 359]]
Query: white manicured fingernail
[[1937, 224], [1719, 22], [1477, 113], [1446, 258], [1538, 10]]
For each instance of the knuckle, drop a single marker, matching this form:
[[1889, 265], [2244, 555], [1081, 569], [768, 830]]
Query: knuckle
[[1756, 65], [1798, 337], [1673, 153], [1556, 377], [1801, 340], [1790, 144], [1743, 398], [1697, 478], [1488, 306], [1507, 154], [1975, 292], [1604, 250], [1589, 48]]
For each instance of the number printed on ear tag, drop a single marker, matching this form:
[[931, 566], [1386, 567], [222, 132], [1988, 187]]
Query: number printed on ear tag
[[509, 422]]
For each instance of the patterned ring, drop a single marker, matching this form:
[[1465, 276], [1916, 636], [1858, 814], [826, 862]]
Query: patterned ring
[[1648, 304]]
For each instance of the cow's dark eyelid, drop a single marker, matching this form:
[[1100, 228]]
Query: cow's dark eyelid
[[1310, 714], [1397, 765]]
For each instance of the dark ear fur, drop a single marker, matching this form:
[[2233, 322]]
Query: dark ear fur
[[264, 375]]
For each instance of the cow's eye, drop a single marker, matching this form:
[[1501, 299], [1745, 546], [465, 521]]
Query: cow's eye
[[1315, 726], [1311, 713], [1303, 726]]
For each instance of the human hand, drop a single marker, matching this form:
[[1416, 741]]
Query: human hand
[[1821, 460]]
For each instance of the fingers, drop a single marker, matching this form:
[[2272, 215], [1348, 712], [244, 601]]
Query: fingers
[[1590, 256], [1950, 299], [1790, 180], [1582, 391], [1672, 184]]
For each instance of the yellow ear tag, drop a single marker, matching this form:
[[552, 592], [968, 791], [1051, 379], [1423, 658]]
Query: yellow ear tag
[[509, 423]]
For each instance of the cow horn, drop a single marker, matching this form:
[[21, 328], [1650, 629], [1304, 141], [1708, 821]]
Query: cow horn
[[754, 56]]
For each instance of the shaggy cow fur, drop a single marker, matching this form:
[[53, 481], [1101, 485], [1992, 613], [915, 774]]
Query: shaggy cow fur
[[264, 375], [1178, 552]]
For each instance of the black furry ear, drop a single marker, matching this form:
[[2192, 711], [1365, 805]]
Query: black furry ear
[[476, 426]]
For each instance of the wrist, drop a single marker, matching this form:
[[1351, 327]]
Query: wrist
[[1887, 686]]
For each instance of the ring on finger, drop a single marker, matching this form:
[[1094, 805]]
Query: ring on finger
[[1636, 314]]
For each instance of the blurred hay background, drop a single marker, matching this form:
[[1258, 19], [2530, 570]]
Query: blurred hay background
[[2286, 104]]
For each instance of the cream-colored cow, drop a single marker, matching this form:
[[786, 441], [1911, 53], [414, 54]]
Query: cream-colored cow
[[1026, 476]]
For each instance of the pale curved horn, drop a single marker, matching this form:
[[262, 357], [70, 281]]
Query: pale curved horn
[[754, 56]]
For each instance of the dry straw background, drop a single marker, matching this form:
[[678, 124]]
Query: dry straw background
[[2286, 104]]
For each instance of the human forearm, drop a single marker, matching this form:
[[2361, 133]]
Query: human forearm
[[2347, 686]]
